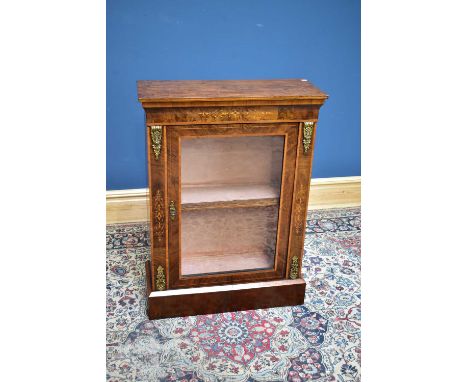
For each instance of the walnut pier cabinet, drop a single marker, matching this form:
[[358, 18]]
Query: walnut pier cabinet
[[229, 165]]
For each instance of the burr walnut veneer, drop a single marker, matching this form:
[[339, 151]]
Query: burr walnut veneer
[[229, 166]]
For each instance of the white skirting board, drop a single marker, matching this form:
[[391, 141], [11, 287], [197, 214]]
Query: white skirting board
[[131, 205]]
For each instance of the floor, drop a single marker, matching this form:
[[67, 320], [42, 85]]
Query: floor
[[318, 341]]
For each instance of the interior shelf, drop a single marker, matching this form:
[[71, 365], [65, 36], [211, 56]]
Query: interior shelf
[[229, 196], [213, 262]]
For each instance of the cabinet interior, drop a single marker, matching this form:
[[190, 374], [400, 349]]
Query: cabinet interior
[[230, 196]]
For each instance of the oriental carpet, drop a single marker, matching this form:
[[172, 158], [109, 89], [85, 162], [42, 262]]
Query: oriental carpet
[[318, 341]]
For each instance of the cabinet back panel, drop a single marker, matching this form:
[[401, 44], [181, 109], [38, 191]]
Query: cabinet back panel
[[231, 160], [228, 239]]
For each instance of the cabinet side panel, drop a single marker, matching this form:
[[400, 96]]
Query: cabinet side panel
[[157, 159], [305, 149]]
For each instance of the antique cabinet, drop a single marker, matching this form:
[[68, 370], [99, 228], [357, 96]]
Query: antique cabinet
[[229, 165]]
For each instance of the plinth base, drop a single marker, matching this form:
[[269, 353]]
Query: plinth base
[[225, 298]]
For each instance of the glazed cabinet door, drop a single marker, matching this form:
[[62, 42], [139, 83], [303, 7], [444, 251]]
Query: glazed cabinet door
[[229, 195]]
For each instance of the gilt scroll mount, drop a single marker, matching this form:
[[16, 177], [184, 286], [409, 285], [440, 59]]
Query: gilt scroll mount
[[156, 138], [307, 135]]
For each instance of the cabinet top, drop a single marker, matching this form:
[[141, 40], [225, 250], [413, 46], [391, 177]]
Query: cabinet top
[[228, 90]]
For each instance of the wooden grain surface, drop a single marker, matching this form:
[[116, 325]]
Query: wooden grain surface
[[301, 197], [227, 298], [235, 203], [163, 114], [176, 91]]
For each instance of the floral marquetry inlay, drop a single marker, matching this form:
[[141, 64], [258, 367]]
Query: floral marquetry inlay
[[230, 115], [159, 216], [236, 114], [300, 209]]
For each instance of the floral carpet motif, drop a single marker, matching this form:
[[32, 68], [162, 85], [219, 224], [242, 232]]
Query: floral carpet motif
[[318, 341]]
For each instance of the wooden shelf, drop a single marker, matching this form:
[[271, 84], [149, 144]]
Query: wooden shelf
[[229, 196], [193, 264]]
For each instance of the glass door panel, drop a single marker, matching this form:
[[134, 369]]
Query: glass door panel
[[230, 197]]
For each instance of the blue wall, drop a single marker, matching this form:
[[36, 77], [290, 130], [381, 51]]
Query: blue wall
[[241, 39]]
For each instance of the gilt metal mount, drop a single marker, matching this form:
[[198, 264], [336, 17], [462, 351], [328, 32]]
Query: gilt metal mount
[[172, 210], [307, 135], [156, 137], [294, 270], [160, 279]]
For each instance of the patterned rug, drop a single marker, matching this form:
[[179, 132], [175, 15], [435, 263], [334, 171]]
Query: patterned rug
[[318, 341]]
